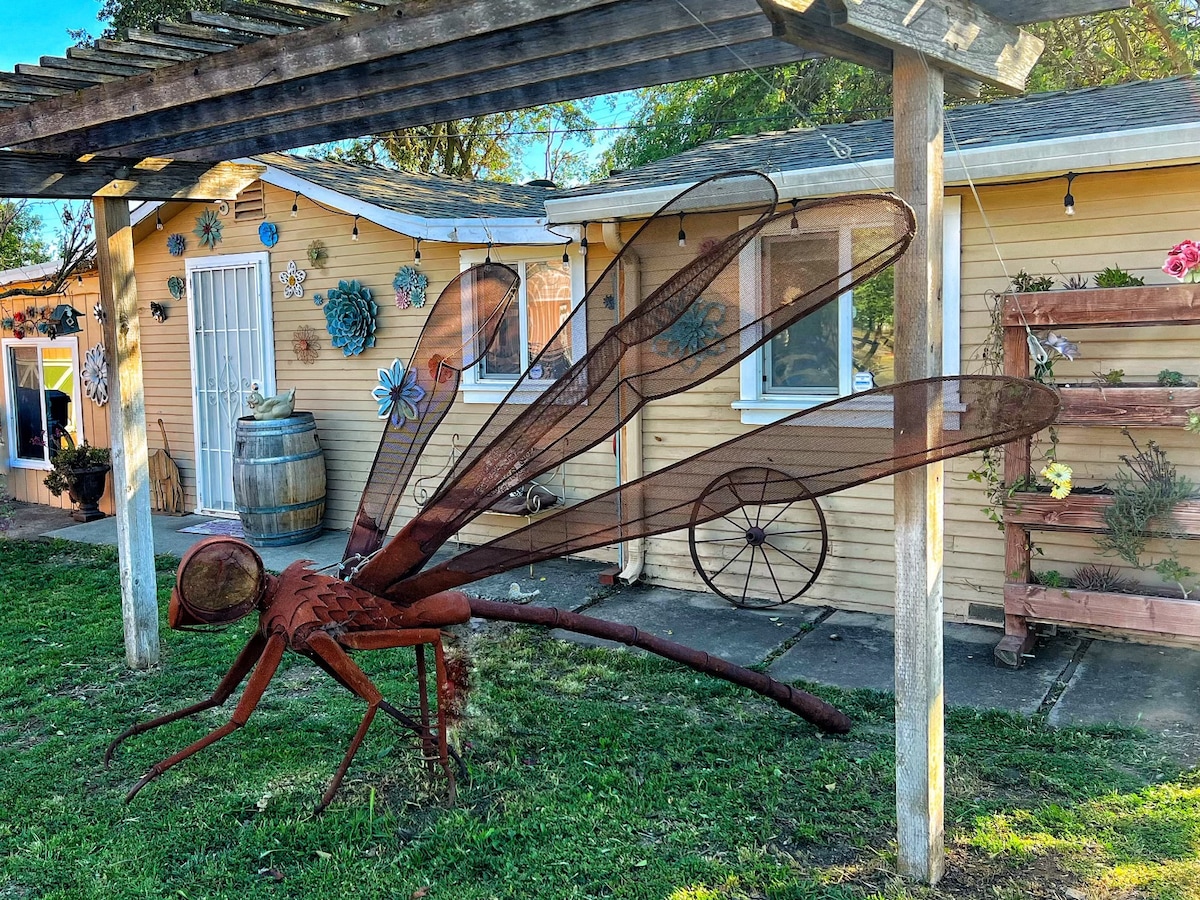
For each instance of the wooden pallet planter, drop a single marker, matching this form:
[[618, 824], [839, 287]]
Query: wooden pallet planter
[[1173, 304]]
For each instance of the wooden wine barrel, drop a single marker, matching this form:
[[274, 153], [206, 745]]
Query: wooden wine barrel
[[279, 479]]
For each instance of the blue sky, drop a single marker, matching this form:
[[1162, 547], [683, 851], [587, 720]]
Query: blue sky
[[34, 29]]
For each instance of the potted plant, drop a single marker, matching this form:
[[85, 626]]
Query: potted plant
[[81, 472]]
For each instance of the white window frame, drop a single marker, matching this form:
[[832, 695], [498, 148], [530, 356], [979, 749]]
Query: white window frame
[[10, 432], [760, 407], [477, 388]]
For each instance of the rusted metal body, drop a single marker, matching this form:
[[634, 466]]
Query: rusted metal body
[[671, 341]]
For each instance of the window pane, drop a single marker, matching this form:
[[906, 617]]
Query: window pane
[[23, 364], [504, 357], [874, 320], [59, 371], [803, 358], [548, 295]]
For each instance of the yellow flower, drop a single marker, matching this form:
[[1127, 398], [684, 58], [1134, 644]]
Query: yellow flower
[[1061, 489], [1059, 475]]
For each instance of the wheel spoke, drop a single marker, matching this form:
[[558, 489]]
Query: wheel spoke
[[741, 503], [775, 518], [808, 569], [771, 569], [739, 537], [797, 531], [729, 563], [749, 570], [762, 500]]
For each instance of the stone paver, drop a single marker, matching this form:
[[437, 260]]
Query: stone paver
[[702, 621], [855, 650]]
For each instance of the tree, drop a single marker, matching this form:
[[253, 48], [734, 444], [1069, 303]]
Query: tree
[[20, 245], [1154, 39], [20, 241]]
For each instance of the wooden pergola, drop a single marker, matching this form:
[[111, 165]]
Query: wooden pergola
[[154, 116]]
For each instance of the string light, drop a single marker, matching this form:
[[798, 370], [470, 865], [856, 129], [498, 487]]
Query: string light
[[566, 258], [583, 243], [795, 221], [1069, 199], [354, 233], [157, 221], [295, 204], [417, 251], [682, 233], [488, 259]]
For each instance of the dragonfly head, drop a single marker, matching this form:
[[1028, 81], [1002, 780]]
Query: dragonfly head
[[220, 580]]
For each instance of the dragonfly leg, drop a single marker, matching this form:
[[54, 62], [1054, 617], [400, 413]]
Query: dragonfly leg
[[241, 667], [268, 662]]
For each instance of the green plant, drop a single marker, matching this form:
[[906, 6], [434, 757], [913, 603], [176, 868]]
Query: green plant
[[1075, 283], [1193, 422], [1052, 578], [69, 460], [1170, 378], [1094, 578], [1115, 277], [1170, 569], [1112, 377], [1024, 283], [1147, 487]]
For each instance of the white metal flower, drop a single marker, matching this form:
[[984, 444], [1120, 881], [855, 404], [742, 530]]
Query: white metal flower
[[292, 280], [95, 375]]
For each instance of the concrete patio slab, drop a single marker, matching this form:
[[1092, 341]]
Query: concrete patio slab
[[702, 621], [855, 650], [1156, 688]]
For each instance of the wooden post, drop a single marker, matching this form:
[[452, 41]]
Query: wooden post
[[127, 424], [917, 91]]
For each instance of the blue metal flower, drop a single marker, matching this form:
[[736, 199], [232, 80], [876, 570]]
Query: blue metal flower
[[398, 394], [410, 287], [696, 334], [176, 244], [208, 229], [268, 233], [350, 317]]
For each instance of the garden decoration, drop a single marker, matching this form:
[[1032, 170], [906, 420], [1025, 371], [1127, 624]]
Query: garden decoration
[[318, 254], [176, 244], [1183, 262], [29, 322], [98, 312], [268, 233], [158, 312], [176, 286], [305, 345], [266, 408], [292, 279], [350, 317], [392, 597], [410, 286], [208, 229], [95, 374]]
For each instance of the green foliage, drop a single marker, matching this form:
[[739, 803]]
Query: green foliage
[[1193, 421], [1170, 569], [593, 773], [1112, 377], [122, 15], [1091, 577], [1024, 283], [1148, 487], [70, 459], [1051, 578], [1170, 378], [20, 241], [1075, 283], [1116, 277]]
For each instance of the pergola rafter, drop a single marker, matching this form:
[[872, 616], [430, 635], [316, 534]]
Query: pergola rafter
[[268, 75]]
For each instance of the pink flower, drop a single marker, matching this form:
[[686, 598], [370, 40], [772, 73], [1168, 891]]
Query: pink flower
[[1176, 266], [1190, 252]]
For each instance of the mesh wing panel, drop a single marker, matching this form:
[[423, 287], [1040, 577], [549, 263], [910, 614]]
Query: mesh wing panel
[[443, 350], [816, 452], [672, 341]]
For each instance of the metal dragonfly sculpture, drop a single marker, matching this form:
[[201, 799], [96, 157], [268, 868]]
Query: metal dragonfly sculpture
[[670, 341]]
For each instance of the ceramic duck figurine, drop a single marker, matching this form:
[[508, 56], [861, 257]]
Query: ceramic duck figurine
[[278, 407]]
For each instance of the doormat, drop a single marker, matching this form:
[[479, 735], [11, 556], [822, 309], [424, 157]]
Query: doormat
[[227, 527]]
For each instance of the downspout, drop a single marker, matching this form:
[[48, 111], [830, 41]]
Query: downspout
[[629, 439]]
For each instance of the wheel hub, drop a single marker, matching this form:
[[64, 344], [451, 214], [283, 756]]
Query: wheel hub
[[755, 536]]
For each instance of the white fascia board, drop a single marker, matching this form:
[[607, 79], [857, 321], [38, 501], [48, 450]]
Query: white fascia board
[[523, 230], [35, 272], [1135, 148]]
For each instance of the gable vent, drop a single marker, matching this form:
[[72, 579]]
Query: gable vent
[[249, 203]]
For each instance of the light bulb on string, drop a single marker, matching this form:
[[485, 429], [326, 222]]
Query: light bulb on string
[[795, 221], [583, 241], [417, 252], [566, 258], [682, 233], [354, 233], [1069, 199], [295, 204], [488, 259], [157, 221]]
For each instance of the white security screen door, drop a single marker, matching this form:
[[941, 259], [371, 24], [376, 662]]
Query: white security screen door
[[229, 312]]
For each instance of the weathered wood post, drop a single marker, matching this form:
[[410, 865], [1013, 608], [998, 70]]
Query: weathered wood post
[[127, 426], [917, 91]]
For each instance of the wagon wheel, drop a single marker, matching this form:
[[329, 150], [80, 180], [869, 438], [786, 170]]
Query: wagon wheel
[[773, 532]]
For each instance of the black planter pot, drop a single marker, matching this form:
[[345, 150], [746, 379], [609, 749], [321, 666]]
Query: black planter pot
[[86, 487]]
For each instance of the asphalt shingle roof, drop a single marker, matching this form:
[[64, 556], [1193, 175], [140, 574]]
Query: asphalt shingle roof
[[428, 196], [1036, 117]]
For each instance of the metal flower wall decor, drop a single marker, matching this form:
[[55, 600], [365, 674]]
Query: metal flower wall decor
[[696, 334], [410, 287], [176, 286], [398, 394], [305, 345], [176, 244], [317, 254], [350, 317], [292, 279], [208, 229], [95, 375], [268, 233]]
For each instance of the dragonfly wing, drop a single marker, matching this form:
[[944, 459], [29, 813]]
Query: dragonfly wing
[[448, 343], [819, 451]]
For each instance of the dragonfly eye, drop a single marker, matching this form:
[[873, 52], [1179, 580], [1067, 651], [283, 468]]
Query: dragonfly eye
[[220, 580]]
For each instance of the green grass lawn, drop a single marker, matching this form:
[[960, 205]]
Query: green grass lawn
[[592, 774]]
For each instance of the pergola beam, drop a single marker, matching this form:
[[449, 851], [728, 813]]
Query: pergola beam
[[45, 176], [1027, 12]]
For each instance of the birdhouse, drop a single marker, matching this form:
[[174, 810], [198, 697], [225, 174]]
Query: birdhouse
[[65, 320]]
